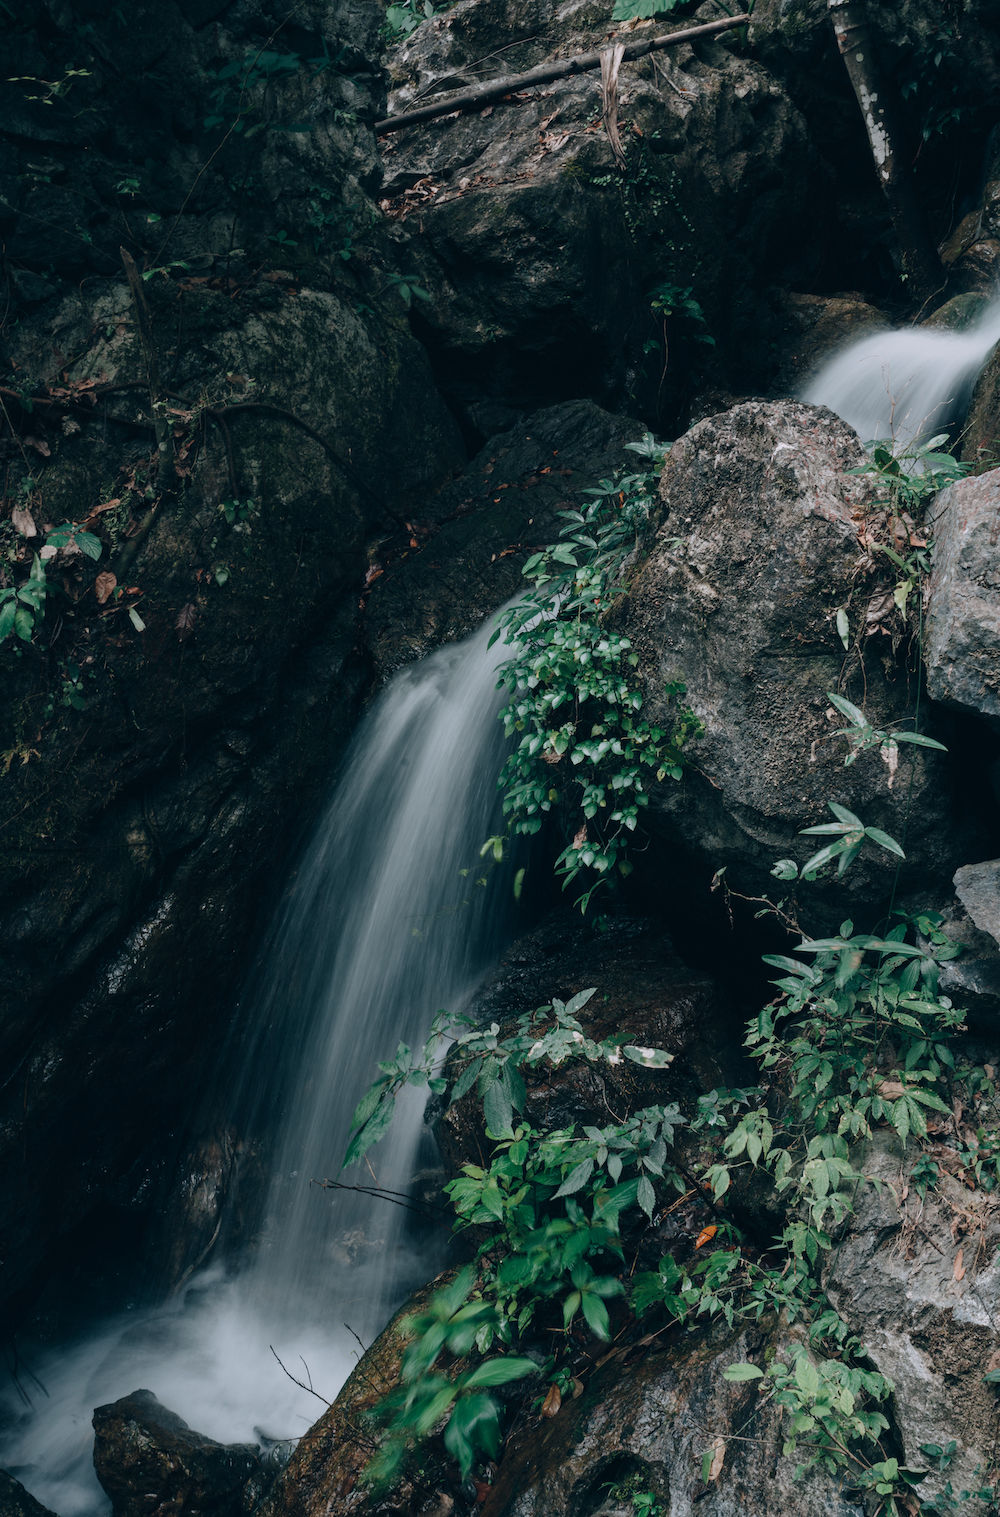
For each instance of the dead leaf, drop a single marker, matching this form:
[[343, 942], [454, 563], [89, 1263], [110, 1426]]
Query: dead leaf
[[103, 585], [47, 552], [186, 618], [40, 445], [553, 1401], [958, 1269], [891, 1090], [718, 1459], [705, 1236], [24, 522]]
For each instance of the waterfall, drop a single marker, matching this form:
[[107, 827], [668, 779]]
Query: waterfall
[[906, 385], [384, 925]]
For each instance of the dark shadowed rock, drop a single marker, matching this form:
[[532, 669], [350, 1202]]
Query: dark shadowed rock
[[541, 255], [962, 641], [480, 527], [16, 1502], [149, 1460], [762, 542]]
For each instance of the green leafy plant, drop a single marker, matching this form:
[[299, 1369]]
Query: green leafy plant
[[583, 746], [405, 16], [429, 1395]]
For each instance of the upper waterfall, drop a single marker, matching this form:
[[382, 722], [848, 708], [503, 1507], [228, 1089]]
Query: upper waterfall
[[906, 385]]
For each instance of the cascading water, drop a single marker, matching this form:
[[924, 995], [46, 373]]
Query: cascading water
[[382, 927], [906, 385]]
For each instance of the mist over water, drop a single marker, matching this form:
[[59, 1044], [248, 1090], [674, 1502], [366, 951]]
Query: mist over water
[[383, 926], [906, 385]]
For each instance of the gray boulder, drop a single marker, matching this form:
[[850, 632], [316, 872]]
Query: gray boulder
[[916, 1278], [762, 543], [962, 643]]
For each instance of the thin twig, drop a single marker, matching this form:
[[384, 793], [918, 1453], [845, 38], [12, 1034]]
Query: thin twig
[[301, 1383]]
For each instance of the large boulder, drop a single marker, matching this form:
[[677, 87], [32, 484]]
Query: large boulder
[[763, 541], [962, 640], [324, 1477], [148, 1459]]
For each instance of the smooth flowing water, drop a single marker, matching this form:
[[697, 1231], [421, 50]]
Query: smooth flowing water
[[384, 925], [906, 385]]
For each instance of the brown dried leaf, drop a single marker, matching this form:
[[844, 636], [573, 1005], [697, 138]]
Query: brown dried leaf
[[24, 522], [186, 618], [553, 1401], [718, 1459], [958, 1268], [104, 584], [40, 446]]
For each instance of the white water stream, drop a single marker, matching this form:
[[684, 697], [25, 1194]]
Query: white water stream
[[380, 930], [906, 385]]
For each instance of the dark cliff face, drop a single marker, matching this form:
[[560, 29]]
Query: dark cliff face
[[174, 712]]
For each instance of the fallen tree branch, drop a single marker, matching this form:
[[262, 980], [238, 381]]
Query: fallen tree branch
[[494, 89]]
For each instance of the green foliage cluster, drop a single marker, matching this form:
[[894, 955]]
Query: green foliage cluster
[[583, 746], [404, 16], [22, 604], [426, 1393]]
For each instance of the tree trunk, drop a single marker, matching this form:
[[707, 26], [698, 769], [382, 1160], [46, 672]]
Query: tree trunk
[[921, 267]]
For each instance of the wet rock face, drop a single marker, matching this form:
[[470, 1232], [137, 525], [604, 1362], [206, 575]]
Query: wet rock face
[[323, 1478], [962, 647], [148, 1459], [643, 1426], [760, 545], [541, 255]]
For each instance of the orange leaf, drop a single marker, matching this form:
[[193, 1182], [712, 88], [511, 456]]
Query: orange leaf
[[705, 1236], [958, 1269], [552, 1402]]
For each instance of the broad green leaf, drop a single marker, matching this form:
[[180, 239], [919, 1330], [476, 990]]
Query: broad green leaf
[[576, 1179], [596, 1314], [743, 1372], [498, 1112], [847, 708], [500, 1371], [844, 627], [884, 841], [646, 1196]]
